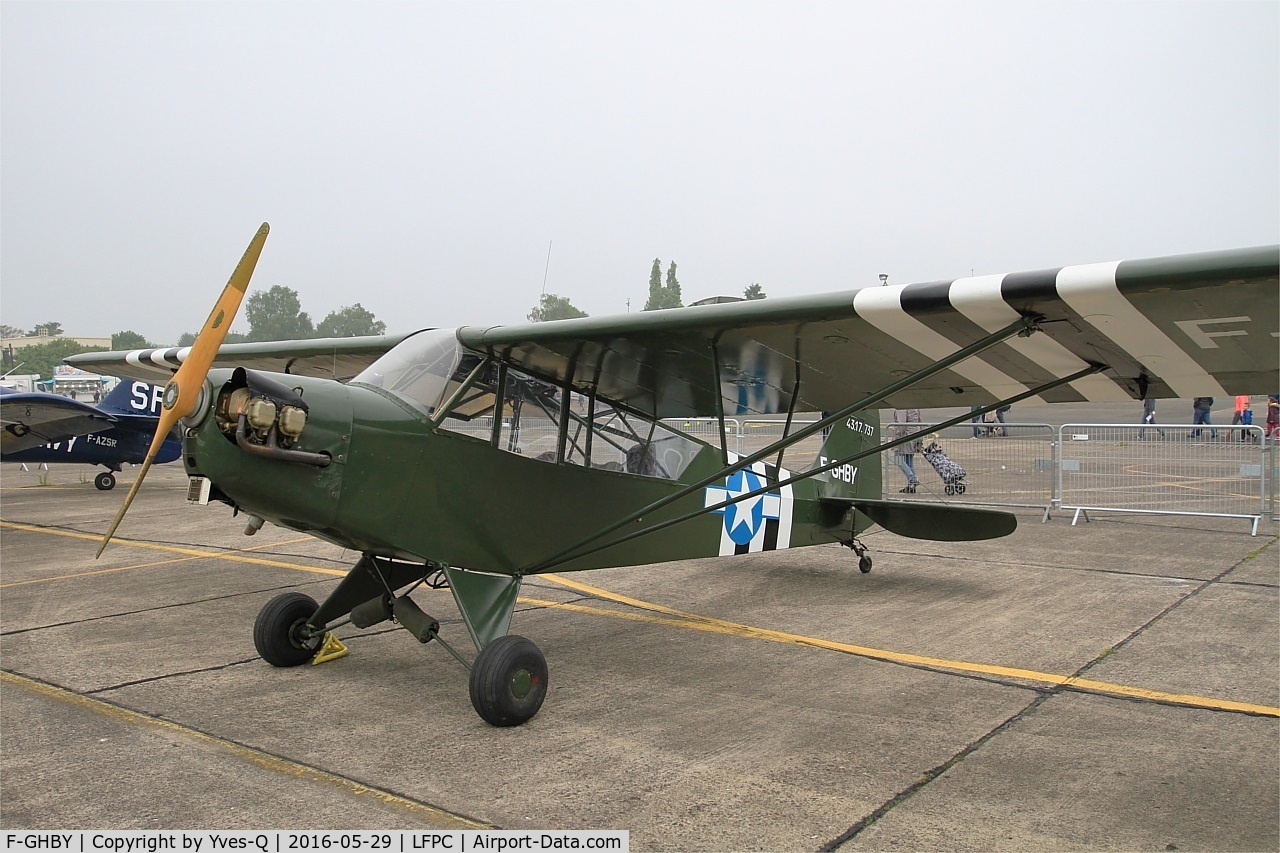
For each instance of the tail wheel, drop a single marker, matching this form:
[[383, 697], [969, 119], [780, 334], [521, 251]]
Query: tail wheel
[[280, 634], [105, 482], [508, 681]]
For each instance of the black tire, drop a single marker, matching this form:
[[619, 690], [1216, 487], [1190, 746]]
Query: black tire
[[959, 488], [277, 632], [949, 489], [864, 563], [508, 681], [105, 482]]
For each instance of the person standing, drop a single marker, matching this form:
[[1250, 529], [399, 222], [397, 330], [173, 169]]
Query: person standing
[[1149, 417], [1273, 416], [1000, 413], [1243, 415], [904, 454], [1201, 407]]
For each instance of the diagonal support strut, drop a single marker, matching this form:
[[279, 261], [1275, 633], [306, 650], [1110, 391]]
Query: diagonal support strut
[[1023, 326]]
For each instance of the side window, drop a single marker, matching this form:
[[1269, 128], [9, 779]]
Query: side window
[[530, 417], [636, 445], [596, 435], [473, 412]]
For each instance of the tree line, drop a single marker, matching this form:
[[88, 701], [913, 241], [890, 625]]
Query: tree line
[[662, 294], [274, 315]]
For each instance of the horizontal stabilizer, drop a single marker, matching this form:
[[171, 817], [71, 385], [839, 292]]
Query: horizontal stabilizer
[[933, 521]]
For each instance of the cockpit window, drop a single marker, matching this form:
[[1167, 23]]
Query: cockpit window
[[417, 369], [595, 435], [537, 419]]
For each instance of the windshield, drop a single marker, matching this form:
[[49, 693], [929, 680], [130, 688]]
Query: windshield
[[417, 369], [537, 419]]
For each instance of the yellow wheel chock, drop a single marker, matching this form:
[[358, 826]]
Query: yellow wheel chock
[[331, 649]]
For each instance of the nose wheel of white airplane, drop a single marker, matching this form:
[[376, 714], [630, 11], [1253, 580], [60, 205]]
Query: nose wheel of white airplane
[[508, 681], [280, 632], [105, 482]]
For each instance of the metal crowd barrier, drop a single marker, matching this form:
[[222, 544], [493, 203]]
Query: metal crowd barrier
[[708, 430], [1166, 469], [759, 434], [748, 436], [1010, 465]]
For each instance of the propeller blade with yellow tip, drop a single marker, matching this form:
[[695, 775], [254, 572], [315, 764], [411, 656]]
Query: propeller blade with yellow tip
[[182, 394]]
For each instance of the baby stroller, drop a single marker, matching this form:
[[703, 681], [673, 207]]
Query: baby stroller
[[948, 469]]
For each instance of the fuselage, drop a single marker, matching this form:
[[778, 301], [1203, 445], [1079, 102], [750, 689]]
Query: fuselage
[[451, 480], [124, 443]]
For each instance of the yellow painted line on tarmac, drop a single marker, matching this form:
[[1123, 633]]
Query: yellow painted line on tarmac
[[145, 565], [706, 623], [194, 553], [1186, 482], [682, 619], [98, 572], [430, 814], [36, 488]]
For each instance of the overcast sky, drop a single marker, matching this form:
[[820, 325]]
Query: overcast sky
[[419, 158]]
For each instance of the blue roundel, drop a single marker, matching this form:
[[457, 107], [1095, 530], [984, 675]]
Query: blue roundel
[[743, 519]]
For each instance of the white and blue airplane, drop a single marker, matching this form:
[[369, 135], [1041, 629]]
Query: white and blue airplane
[[39, 427]]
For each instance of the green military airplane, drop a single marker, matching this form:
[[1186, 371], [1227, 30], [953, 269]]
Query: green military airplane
[[390, 446]]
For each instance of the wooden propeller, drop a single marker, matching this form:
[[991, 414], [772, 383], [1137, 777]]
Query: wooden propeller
[[182, 394]]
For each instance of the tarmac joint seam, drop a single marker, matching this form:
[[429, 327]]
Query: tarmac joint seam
[[1055, 681], [260, 757]]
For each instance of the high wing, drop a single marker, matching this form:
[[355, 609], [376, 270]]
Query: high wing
[[33, 419], [1190, 325], [330, 358]]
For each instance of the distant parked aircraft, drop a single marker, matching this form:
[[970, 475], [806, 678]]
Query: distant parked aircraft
[[41, 427]]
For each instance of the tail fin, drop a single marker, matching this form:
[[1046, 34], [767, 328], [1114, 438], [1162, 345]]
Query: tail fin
[[855, 434], [850, 498], [131, 397]]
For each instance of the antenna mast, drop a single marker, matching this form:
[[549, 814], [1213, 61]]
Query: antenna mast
[[548, 269]]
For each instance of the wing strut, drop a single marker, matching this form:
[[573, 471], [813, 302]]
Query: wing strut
[[773, 487], [1023, 326], [719, 400], [791, 411]]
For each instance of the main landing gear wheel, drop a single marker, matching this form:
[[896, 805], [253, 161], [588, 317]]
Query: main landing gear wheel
[[278, 631], [508, 681], [106, 481]]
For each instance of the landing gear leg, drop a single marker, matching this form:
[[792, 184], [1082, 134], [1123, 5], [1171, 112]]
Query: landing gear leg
[[509, 675], [864, 558]]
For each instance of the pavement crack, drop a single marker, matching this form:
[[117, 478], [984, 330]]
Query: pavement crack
[[930, 775], [157, 608], [262, 758], [97, 691], [208, 546], [1045, 695]]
